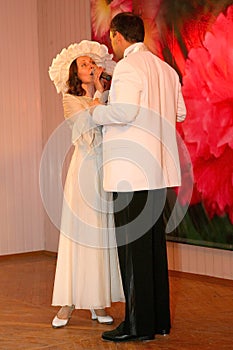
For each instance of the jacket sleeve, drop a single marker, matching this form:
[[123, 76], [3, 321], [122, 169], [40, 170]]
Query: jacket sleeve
[[124, 97], [181, 109]]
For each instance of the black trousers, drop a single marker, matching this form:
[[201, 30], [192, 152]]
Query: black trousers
[[142, 254]]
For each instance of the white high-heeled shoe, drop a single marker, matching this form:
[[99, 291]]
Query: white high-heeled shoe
[[101, 319], [62, 322]]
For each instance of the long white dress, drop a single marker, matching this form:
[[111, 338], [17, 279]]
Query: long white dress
[[87, 272]]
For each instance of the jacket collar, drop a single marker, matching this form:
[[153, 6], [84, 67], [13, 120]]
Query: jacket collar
[[135, 48]]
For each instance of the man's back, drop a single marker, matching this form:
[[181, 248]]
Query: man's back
[[158, 83]]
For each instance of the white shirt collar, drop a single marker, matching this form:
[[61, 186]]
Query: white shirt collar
[[135, 48]]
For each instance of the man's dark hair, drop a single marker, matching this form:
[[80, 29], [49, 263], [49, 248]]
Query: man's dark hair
[[130, 26]]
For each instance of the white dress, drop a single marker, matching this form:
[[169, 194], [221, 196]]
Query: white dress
[[87, 272]]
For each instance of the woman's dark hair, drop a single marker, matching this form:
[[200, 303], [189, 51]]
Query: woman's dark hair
[[129, 25], [74, 83]]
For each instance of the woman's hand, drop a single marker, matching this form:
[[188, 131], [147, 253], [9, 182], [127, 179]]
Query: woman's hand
[[99, 85], [95, 102]]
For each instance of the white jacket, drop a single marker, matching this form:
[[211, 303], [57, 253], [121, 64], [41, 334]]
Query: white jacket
[[139, 134]]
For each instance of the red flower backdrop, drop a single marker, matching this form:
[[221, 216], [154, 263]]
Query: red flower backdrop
[[102, 11], [195, 37], [208, 129]]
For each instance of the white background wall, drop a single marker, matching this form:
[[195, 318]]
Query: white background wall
[[32, 33], [21, 212], [60, 23], [200, 260]]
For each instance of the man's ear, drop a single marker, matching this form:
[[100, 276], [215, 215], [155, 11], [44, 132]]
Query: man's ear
[[119, 37]]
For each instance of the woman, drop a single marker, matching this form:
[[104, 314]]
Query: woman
[[87, 272]]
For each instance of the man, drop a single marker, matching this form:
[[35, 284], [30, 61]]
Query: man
[[140, 161]]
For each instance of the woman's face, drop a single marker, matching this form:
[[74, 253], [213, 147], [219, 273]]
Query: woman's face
[[86, 67]]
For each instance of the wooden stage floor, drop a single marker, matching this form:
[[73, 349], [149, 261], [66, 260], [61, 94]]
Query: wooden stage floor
[[202, 312]]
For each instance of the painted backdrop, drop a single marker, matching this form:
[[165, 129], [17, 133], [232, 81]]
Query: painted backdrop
[[195, 37]]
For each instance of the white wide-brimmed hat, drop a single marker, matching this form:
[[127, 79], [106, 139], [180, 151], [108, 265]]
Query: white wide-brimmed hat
[[59, 69]]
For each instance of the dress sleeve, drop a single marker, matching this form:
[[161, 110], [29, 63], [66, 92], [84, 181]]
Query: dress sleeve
[[102, 96], [71, 105], [77, 114]]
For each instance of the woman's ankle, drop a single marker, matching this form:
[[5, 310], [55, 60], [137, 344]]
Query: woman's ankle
[[65, 312], [100, 312]]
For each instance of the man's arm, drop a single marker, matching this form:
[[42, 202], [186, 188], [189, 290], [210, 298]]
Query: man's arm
[[181, 109], [124, 97]]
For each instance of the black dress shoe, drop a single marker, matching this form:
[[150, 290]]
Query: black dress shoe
[[162, 331], [119, 335]]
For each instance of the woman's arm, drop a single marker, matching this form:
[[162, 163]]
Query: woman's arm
[[71, 105]]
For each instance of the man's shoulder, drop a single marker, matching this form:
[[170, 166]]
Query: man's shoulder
[[138, 62], [139, 58]]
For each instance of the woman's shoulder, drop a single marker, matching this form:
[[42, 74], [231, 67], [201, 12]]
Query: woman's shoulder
[[73, 104], [76, 99], [67, 96]]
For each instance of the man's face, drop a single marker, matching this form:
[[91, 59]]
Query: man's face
[[116, 44]]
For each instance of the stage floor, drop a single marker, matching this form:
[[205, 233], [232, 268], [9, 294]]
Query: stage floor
[[202, 312]]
